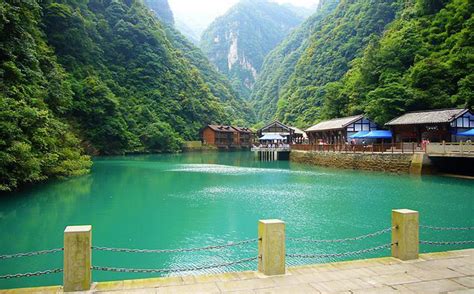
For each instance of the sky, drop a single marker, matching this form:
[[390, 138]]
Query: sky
[[198, 14]]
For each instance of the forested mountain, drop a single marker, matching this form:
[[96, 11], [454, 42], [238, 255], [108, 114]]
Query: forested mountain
[[280, 63], [162, 10], [219, 85], [238, 41], [370, 56], [97, 75]]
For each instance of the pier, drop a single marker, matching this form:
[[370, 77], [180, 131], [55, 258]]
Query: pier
[[272, 153]]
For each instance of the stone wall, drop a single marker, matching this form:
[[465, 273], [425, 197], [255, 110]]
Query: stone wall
[[387, 162]]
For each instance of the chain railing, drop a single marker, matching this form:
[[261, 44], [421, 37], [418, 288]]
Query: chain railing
[[266, 252], [33, 253], [446, 243], [371, 235], [32, 274], [344, 254], [207, 248], [174, 270], [447, 228]]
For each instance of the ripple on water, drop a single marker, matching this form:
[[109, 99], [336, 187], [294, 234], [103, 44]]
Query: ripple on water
[[238, 170]]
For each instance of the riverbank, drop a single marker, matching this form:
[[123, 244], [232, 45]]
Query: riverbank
[[451, 271], [386, 162]]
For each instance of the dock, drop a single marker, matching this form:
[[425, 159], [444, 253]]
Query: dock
[[442, 272]]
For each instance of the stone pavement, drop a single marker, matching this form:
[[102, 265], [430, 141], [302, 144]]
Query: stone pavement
[[444, 272]]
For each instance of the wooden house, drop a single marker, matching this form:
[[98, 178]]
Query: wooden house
[[220, 136], [245, 137], [433, 125], [337, 131]]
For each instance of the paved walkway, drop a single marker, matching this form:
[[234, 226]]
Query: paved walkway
[[446, 272]]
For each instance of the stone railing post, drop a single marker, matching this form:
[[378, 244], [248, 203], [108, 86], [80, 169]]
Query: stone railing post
[[77, 258], [271, 247], [405, 234]]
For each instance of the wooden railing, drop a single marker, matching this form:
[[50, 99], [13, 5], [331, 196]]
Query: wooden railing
[[369, 148]]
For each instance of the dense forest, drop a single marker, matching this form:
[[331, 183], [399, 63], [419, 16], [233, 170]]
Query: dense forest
[[97, 77], [238, 41], [381, 58], [280, 63]]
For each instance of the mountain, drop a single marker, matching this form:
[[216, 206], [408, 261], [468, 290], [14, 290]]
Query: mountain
[[187, 32], [162, 9], [97, 77], [280, 63], [381, 58], [220, 87], [238, 41]]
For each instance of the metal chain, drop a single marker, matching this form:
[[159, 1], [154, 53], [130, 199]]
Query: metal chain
[[441, 243], [41, 252], [174, 250], [358, 252], [197, 268], [342, 240], [447, 228], [33, 274]]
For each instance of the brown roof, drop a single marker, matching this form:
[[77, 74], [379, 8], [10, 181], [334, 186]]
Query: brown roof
[[221, 128], [427, 117], [334, 124], [243, 130]]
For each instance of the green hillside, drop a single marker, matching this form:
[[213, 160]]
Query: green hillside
[[238, 41], [280, 63], [95, 77]]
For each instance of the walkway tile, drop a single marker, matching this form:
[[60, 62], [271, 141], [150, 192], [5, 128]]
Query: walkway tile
[[393, 279], [191, 289], [291, 289], [246, 284], [341, 285], [437, 286], [465, 281]]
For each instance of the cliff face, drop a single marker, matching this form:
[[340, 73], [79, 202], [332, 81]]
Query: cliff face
[[238, 42]]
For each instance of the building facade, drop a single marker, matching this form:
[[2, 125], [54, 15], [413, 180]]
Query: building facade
[[227, 136], [338, 131], [292, 135], [433, 125]]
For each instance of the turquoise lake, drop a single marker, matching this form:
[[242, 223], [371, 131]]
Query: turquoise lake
[[200, 199]]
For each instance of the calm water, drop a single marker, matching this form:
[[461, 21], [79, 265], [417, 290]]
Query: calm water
[[194, 199]]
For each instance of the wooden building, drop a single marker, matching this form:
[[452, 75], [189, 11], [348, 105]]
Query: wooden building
[[227, 136], [245, 137], [433, 125], [220, 136], [291, 134], [337, 131]]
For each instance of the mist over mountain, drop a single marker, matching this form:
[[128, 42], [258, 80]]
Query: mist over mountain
[[237, 42]]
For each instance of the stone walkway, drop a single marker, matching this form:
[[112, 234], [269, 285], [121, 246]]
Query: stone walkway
[[445, 272]]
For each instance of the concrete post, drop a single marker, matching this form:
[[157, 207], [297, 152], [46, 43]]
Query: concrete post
[[271, 247], [405, 234], [77, 258]]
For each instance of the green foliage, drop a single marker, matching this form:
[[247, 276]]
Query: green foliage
[[247, 32], [280, 63], [102, 77], [35, 144], [381, 58], [335, 42]]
